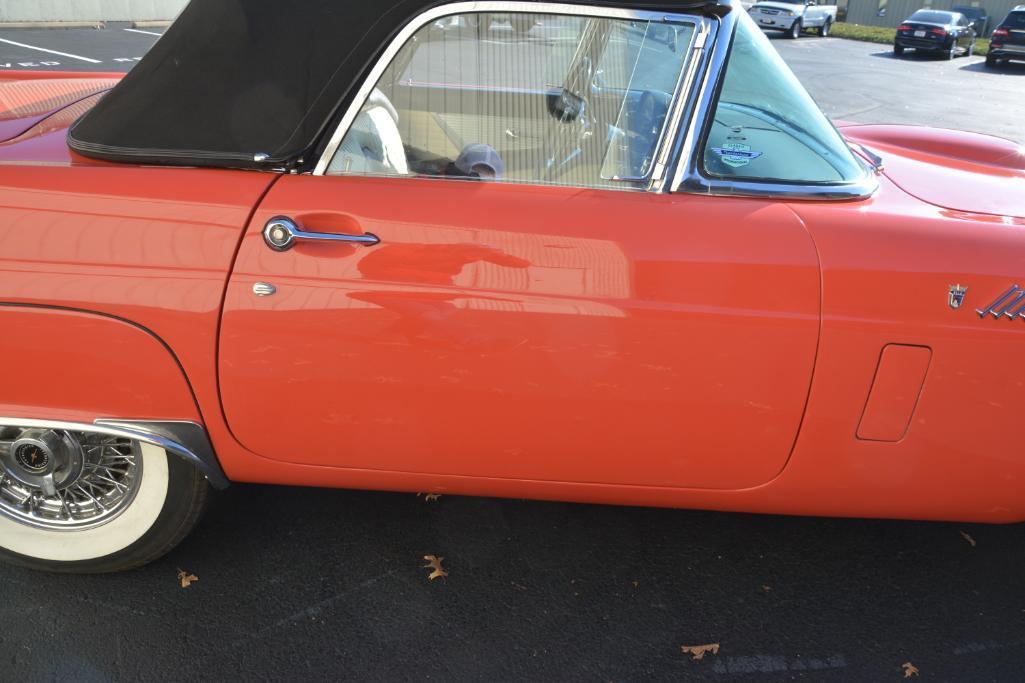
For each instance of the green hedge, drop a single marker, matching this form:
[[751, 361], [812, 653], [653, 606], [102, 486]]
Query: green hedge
[[878, 34]]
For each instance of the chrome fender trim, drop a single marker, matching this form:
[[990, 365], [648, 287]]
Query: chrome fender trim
[[187, 440]]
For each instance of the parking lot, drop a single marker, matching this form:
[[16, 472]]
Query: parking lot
[[864, 82], [319, 584], [115, 48]]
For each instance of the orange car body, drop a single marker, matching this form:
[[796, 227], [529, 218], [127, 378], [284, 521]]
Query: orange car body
[[678, 350]]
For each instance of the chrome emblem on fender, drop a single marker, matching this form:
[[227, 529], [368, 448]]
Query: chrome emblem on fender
[[957, 294], [1010, 304]]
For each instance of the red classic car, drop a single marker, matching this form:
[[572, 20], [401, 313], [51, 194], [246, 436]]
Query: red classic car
[[609, 252]]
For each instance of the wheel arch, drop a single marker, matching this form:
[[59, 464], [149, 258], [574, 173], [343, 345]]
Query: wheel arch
[[73, 368]]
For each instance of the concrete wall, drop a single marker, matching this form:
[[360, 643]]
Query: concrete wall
[[90, 10], [867, 11]]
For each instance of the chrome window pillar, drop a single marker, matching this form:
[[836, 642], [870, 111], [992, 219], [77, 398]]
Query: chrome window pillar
[[684, 102]]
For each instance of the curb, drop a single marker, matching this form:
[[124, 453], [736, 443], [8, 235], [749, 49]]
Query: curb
[[82, 24], [51, 24], [980, 51]]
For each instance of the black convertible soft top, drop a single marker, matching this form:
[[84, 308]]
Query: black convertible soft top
[[254, 83]]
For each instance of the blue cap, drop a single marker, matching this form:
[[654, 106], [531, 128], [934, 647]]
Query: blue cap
[[476, 155]]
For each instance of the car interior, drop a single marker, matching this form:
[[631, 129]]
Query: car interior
[[475, 99]]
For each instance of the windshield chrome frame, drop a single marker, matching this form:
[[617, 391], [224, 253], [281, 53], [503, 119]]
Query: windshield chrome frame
[[705, 30], [690, 178]]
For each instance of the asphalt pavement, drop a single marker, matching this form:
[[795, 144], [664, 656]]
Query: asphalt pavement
[[114, 48], [323, 585], [864, 82], [319, 584]]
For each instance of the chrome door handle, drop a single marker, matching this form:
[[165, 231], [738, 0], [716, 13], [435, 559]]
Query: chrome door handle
[[282, 233]]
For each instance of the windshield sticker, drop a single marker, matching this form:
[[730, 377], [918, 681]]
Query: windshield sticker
[[736, 154]]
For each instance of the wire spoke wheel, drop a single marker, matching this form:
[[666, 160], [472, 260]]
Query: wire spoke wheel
[[60, 480], [79, 500]]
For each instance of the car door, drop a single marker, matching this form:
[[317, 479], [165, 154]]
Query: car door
[[812, 14], [969, 30], [506, 315]]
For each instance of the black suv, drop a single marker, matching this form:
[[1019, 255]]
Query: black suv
[[1008, 39]]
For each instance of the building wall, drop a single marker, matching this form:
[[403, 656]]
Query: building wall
[[89, 10], [867, 11]]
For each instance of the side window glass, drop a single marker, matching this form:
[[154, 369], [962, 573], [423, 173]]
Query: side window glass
[[766, 127], [529, 98]]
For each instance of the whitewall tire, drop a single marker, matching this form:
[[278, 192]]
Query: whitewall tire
[[167, 499]]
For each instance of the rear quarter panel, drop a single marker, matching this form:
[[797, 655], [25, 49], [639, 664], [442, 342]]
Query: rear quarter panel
[[150, 245], [74, 366]]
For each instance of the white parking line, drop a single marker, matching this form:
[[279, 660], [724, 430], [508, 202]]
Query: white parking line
[[148, 33], [52, 52]]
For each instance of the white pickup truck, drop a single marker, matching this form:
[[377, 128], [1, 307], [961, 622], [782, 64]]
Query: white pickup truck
[[794, 16]]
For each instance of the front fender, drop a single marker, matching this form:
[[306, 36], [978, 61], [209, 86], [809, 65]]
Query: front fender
[[73, 367]]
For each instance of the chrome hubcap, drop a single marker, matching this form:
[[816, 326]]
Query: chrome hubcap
[[61, 480]]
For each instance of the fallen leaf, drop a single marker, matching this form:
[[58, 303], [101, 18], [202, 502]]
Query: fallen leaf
[[909, 669], [186, 579], [968, 538], [430, 497], [699, 651], [434, 563], [766, 588], [636, 583]]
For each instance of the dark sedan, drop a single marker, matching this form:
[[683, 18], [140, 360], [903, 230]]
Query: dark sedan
[[944, 33]]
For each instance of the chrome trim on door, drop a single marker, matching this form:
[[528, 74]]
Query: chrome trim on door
[[281, 234], [704, 28], [187, 440]]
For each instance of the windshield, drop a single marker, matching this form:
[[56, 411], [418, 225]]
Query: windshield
[[766, 127], [931, 17], [1015, 20]]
